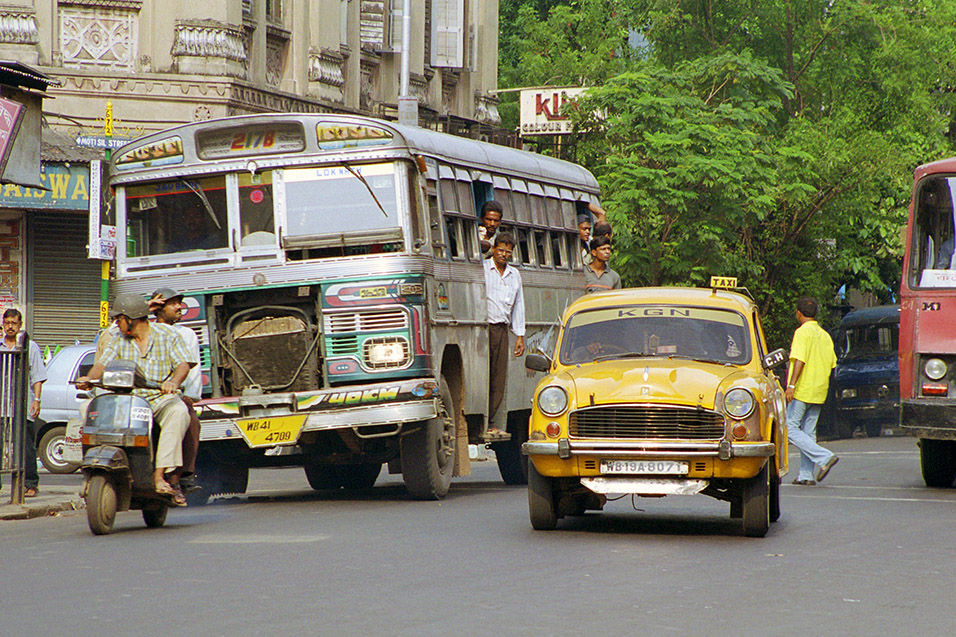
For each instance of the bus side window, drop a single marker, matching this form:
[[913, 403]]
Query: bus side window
[[542, 249], [524, 249], [454, 243], [434, 221], [557, 250], [482, 192]]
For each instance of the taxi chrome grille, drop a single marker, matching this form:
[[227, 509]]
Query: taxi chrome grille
[[628, 423]]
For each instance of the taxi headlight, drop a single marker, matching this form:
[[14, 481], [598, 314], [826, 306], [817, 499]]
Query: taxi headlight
[[935, 368], [739, 403], [553, 400]]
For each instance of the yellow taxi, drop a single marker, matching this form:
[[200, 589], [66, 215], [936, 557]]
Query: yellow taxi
[[655, 392]]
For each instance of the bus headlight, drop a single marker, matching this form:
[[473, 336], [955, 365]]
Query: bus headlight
[[386, 352], [739, 403], [934, 369], [553, 400]]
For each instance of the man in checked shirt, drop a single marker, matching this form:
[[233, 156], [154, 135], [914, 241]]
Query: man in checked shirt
[[505, 308]]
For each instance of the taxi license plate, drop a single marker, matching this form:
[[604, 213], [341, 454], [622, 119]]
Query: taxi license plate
[[644, 467], [272, 430]]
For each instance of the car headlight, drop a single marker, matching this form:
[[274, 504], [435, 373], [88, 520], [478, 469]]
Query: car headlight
[[553, 400], [848, 393], [934, 368], [739, 403]]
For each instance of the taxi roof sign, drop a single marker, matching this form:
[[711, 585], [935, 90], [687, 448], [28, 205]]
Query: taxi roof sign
[[723, 282]]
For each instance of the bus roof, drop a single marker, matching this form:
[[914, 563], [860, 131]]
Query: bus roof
[[416, 141]]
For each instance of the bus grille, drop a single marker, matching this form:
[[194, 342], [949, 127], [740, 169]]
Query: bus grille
[[367, 321], [343, 345], [671, 423]]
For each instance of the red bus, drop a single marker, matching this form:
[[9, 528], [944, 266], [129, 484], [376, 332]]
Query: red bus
[[928, 322]]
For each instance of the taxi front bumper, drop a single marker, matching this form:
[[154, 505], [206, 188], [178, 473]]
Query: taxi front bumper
[[723, 450]]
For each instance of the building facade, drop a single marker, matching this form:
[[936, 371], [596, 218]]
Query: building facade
[[161, 63]]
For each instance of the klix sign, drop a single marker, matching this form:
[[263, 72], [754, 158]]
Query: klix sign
[[542, 110]]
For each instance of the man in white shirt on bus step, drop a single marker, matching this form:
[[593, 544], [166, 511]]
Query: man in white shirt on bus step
[[505, 308]]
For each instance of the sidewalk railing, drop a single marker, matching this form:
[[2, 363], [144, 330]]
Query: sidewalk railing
[[14, 388]]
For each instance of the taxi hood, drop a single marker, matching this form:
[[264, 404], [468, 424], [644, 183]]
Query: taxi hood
[[672, 381]]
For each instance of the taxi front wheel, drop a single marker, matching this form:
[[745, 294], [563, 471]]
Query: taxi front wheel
[[541, 500], [755, 503]]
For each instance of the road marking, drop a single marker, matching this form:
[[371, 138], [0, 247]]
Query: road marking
[[260, 539], [851, 497], [868, 453]]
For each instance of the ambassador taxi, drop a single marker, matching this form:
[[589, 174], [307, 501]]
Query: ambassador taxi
[[654, 392]]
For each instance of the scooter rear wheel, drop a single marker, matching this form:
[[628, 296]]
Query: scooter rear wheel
[[101, 504]]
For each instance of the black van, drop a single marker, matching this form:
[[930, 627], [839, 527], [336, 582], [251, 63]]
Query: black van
[[865, 387]]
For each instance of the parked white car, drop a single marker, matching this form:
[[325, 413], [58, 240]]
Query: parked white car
[[61, 403]]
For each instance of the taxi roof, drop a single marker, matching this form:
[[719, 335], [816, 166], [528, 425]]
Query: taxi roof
[[708, 297]]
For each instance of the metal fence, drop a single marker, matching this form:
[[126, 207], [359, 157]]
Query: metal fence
[[14, 388]]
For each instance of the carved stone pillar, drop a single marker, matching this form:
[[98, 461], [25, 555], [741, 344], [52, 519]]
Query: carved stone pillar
[[209, 47], [327, 75]]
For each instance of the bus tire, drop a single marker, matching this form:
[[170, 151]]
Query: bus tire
[[428, 452], [512, 464], [938, 462]]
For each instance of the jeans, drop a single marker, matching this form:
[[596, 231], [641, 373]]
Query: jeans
[[802, 431]]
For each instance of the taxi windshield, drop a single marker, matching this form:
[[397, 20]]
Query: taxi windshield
[[669, 331]]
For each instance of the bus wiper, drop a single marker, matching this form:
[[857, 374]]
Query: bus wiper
[[359, 176], [205, 202]]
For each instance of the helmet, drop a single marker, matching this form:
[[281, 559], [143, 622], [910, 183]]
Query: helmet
[[132, 306], [166, 293]]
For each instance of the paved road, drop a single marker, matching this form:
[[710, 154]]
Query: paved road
[[868, 552]]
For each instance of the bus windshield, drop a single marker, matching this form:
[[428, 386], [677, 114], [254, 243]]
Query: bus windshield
[[338, 199], [932, 254], [176, 216]]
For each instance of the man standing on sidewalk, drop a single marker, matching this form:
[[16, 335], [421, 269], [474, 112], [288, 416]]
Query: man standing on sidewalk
[[12, 322], [811, 360]]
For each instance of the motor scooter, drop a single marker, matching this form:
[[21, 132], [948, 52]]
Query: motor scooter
[[118, 451]]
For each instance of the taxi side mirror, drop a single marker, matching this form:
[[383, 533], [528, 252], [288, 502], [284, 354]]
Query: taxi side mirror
[[537, 362], [775, 358]]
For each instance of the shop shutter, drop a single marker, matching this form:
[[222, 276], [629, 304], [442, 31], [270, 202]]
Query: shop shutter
[[66, 284]]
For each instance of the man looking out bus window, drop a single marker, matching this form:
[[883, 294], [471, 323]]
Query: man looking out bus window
[[491, 213], [505, 308]]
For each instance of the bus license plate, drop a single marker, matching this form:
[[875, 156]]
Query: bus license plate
[[272, 430], [644, 467]]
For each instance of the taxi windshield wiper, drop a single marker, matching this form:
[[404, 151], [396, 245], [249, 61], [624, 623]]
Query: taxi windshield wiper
[[698, 359], [605, 357]]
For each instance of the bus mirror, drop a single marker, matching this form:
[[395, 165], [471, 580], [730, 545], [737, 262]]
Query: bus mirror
[[775, 358], [537, 362], [422, 166]]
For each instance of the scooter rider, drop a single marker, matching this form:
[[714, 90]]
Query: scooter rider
[[159, 351]]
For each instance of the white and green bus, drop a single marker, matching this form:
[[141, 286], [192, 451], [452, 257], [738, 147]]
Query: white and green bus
[[332, 270]]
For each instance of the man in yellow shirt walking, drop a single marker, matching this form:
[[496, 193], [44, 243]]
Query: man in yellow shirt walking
[[811, 360]]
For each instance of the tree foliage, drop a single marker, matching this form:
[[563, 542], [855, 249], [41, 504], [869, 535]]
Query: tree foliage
[[773, 140]]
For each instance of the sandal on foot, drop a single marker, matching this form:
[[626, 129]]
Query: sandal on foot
[[164, 488], [179, 499]]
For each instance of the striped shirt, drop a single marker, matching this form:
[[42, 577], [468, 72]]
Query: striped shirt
[[505, 296], [164, 353], [607, 280]]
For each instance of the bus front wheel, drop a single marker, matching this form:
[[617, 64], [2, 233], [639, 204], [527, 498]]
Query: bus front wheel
[[428, 452], [938, 462]]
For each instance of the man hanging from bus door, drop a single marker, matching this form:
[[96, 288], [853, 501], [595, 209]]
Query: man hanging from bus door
[[505, 296]]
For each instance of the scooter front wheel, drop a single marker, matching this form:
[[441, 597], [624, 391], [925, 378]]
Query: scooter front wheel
[[156, 516], [101, 504]]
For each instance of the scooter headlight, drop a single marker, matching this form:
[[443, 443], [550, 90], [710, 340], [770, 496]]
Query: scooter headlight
[[119, 378]]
